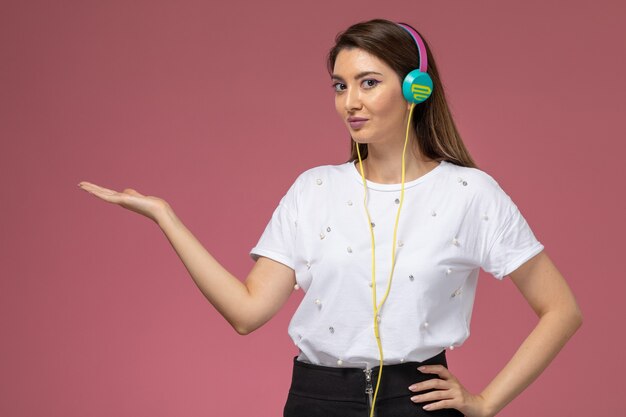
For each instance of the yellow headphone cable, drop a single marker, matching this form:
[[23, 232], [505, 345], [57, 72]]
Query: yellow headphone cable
[[377, 307]]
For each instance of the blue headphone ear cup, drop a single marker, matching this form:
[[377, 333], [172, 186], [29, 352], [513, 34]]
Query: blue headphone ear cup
[[417, 86]]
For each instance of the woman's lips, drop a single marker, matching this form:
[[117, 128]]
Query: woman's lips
[[356, 122]]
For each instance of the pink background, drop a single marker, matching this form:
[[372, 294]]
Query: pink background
[[217, 108]]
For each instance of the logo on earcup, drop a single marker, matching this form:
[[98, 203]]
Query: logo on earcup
[[420, 92], [417, 86]]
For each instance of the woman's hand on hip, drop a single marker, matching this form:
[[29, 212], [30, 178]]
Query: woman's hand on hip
[[130, 199], [448, 393]]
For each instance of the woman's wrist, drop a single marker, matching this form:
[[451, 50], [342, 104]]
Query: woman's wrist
[[164, 214], [490, 409]]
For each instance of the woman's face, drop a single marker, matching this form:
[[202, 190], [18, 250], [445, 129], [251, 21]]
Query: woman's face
[[368, 98]]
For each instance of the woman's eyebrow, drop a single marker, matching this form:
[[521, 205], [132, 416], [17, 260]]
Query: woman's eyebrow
[[356, 77]]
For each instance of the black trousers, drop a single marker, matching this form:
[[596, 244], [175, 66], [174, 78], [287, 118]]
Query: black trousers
[[322, 391]]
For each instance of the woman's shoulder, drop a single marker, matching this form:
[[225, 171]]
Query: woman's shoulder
[[478, 179], [477, 186], [317, 175]]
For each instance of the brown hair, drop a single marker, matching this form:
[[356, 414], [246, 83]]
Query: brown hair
[[438, 137]]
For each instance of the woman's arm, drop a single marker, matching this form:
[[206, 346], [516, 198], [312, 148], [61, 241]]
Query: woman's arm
[[548, 294], [545, 289], [246, 306]]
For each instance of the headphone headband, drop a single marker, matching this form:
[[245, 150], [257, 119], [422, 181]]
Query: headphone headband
[[421, 48]]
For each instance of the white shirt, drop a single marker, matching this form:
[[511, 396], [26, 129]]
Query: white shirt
[[454, 220]]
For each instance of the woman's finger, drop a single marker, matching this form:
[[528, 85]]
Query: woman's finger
[[432, 396], [439, 405], [87, 186], [434, 383], [104, 193], [115, 197], [440, 370]]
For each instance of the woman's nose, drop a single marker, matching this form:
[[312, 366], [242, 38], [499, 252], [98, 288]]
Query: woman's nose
[[353, 99]]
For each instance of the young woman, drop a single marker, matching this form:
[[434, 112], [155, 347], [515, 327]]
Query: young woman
[[387, 248]]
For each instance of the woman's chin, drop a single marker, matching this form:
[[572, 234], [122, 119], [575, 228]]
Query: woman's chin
[[360, 139]]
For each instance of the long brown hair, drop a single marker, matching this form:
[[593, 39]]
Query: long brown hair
[[438, 137]]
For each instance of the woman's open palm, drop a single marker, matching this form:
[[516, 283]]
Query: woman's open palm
[[130, 199]]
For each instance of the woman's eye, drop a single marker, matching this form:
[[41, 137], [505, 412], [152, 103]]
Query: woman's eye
[[339, 87], [370, 83]]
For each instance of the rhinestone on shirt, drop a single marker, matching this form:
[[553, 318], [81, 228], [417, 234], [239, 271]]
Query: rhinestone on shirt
[[373, 224], [411, 277], [331, 329], [455, 242], [349, 249], [349, 202], [397, 201], [322, 235], [455, 293], [434, 213], [319, 181], [448, 271]]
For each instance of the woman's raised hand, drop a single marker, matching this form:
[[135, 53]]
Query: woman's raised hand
[[130, 199], [448, 393]]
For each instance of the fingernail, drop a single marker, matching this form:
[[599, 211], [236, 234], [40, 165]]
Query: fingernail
[[412, 388], [427, 407], [421, 368]]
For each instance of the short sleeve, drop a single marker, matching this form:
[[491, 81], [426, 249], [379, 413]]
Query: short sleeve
[[512, 243], [278, 240]]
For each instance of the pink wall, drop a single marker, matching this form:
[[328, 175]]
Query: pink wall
[[206, 106]]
